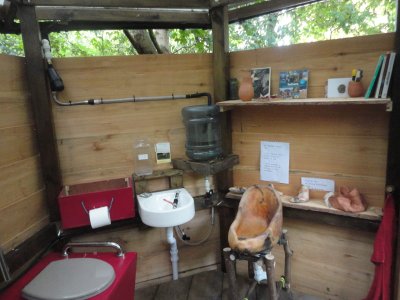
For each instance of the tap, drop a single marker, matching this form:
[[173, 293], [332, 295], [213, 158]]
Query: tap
[[176, 198]]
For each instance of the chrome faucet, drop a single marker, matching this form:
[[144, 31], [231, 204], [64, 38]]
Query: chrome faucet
[[176, 198]]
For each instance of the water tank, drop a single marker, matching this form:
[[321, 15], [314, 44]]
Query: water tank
[[203, 132]]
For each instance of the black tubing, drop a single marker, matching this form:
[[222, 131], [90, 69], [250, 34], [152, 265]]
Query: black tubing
[[198, 95]]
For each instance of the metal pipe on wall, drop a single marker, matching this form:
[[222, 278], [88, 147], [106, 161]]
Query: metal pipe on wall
[[130, 99]]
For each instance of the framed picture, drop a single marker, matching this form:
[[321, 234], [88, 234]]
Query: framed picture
[[293, 84], [261, 78]]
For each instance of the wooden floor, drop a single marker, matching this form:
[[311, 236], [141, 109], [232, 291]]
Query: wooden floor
[[212, 285]]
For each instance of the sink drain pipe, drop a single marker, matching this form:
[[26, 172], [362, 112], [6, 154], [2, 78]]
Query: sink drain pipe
[[174, 252]]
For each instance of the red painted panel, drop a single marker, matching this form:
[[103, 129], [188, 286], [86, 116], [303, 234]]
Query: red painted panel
[[95, 195]]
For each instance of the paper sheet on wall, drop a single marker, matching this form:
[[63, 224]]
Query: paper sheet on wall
[[319, 184], [274, 162]]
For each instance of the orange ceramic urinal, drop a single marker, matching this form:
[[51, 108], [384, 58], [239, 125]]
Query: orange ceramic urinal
[[258, 223]]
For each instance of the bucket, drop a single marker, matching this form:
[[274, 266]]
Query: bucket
[[203, 132]]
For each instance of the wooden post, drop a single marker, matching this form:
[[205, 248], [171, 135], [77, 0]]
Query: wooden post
[[269, 261], [288, 259], [37, 85], [230, 261], [220, 33], [393, 162]]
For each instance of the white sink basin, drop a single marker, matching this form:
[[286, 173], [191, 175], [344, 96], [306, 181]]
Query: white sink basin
[[157, 210]]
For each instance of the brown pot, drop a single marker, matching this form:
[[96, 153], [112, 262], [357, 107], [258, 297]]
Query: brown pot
[[355, 89], [246, 91]]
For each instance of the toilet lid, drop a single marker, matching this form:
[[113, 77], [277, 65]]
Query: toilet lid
[[70, 279]]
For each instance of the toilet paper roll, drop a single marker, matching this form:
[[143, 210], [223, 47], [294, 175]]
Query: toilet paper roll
[[99, 217]]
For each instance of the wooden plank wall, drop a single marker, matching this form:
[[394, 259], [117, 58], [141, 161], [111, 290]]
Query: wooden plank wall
[[344, 143], [23, 209], [95, 142]]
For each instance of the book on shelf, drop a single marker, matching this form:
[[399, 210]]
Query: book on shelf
[[381, 76], [293, 84], [388, 75], [374, 79]]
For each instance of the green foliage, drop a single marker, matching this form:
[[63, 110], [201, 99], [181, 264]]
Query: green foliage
[[90, 43], [11, 44], [190, 41], [319, 21]]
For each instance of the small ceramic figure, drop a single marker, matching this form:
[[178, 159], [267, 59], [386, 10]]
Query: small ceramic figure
[[302, 196]]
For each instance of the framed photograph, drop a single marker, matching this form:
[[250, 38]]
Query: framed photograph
[[293, 84], [261, 78]]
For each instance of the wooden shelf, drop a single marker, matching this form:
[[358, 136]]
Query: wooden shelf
[[230, 104], [210, 167], [318, 205], [372, 213]]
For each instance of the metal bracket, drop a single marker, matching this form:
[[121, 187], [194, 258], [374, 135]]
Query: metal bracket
[[389, 106]]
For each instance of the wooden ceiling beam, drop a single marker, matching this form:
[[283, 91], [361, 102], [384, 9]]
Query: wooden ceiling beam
[[123, 3], [48, 27], [64, 14], [264, 8]]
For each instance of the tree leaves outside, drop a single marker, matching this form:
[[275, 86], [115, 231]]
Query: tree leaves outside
[[319, 21]]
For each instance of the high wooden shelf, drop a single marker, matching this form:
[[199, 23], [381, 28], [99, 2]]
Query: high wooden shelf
[[230, 104]]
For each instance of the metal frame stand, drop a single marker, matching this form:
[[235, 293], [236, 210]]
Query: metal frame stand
[[230, 257]]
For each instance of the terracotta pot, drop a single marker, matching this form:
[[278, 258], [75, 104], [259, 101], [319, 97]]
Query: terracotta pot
[[246, 91], [355, 89]]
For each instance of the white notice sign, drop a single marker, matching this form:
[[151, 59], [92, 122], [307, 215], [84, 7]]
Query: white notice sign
[[274, 162], [318, 184]]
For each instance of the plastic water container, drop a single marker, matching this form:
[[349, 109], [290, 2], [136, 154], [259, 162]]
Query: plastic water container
[[203, 132], [142, 158]]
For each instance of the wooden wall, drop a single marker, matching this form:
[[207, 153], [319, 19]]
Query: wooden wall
[[23, 209], [95, 142], [345, 143]]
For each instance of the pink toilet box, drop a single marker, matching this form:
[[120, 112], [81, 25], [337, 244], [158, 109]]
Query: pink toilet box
[[123, 286], [76, 201]]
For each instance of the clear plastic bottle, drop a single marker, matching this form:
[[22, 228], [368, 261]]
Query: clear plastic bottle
[[142, 158]]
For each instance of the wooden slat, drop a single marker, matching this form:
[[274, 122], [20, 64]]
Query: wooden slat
[[47, 27], [19, 180], [123, 3], [122, 15], [21, 214], [316, 153], [302, 120], [330, 262], [207, 285], [264, 8], [174, 289], [17, 143]]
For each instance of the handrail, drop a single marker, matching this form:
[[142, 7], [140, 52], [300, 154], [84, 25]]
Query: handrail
[[92, 244]]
